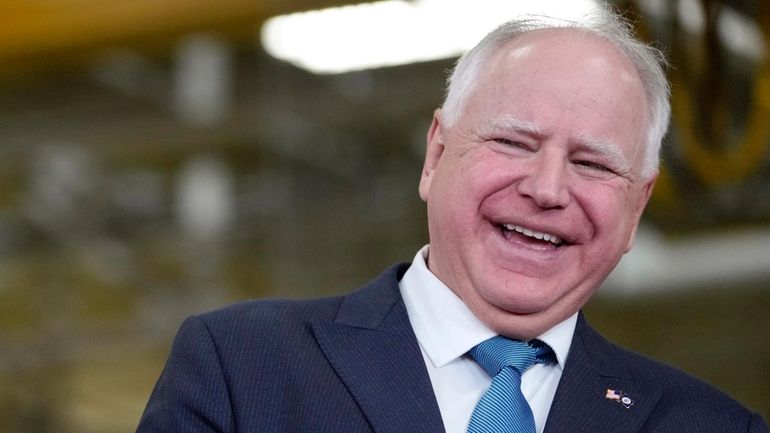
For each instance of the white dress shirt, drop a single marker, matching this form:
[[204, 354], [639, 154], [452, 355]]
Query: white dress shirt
[[446, 330]]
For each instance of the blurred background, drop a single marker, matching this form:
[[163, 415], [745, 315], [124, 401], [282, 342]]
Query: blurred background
[[162, 158]]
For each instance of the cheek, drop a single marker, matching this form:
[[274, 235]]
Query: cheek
[[467, 178], [457, 197], [488, 173], [611, 210]]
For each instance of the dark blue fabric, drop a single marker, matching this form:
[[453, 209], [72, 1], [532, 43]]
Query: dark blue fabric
[[352, 364]]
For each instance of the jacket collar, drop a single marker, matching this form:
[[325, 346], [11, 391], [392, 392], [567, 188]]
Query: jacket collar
[[372, 347]]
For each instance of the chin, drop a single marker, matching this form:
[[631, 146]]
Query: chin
[[521, 317], [520, 301], [520, 327]]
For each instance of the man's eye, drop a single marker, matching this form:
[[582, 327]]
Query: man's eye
[[593, 166], [511, 143]]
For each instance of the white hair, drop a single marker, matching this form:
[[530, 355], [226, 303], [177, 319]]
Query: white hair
[[648, 61]]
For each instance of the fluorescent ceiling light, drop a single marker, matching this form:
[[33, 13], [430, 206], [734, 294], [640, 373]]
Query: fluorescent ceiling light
[[395, 32]]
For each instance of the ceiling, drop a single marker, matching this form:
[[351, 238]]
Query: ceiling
[[39, 33]]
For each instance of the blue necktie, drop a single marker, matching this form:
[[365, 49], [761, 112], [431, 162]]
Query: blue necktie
[[503, 408]]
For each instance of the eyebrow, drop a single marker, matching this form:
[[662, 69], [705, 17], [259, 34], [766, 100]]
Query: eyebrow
[[608, 150], [511, 123]]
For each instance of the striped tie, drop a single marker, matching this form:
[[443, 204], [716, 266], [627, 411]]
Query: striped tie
[[503, 408]]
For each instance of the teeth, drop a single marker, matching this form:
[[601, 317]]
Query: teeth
[[534, 234]]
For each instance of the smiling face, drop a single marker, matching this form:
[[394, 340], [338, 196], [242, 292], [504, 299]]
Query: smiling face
[[534, 193]]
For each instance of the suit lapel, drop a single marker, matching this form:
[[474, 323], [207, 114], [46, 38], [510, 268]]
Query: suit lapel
[[581, 403], [373, 349]]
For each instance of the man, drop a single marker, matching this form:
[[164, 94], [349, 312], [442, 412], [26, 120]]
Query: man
[[537, 170]]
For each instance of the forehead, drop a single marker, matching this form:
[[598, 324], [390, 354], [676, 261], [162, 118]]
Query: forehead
[[566, 80], [555, 50]]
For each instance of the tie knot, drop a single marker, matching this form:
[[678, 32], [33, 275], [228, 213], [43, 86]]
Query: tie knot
[[499, 352]]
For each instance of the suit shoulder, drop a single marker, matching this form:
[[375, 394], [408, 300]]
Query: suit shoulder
[[270, 314], [671, 377], [683, 395], [293, 312]]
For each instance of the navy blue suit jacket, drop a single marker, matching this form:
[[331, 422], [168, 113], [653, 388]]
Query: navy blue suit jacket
[[353, 364]]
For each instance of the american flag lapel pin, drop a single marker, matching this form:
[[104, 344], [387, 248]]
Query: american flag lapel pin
[[620, 397]]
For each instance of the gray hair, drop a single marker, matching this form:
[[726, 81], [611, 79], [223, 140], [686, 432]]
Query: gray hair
[[648, 61]]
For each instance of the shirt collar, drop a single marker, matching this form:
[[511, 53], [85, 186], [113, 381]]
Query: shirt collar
[[445, 327]]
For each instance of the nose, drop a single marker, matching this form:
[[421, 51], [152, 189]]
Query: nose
[[545, 180]]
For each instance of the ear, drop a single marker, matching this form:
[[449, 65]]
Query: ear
[[433, 151], [644, 197]]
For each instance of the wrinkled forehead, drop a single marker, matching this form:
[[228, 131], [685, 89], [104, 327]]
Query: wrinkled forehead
[[563, 67], [564, 58]]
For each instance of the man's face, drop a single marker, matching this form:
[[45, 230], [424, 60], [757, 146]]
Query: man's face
[[534, 193]]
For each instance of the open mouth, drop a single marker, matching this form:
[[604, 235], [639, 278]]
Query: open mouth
[[530, 235]]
